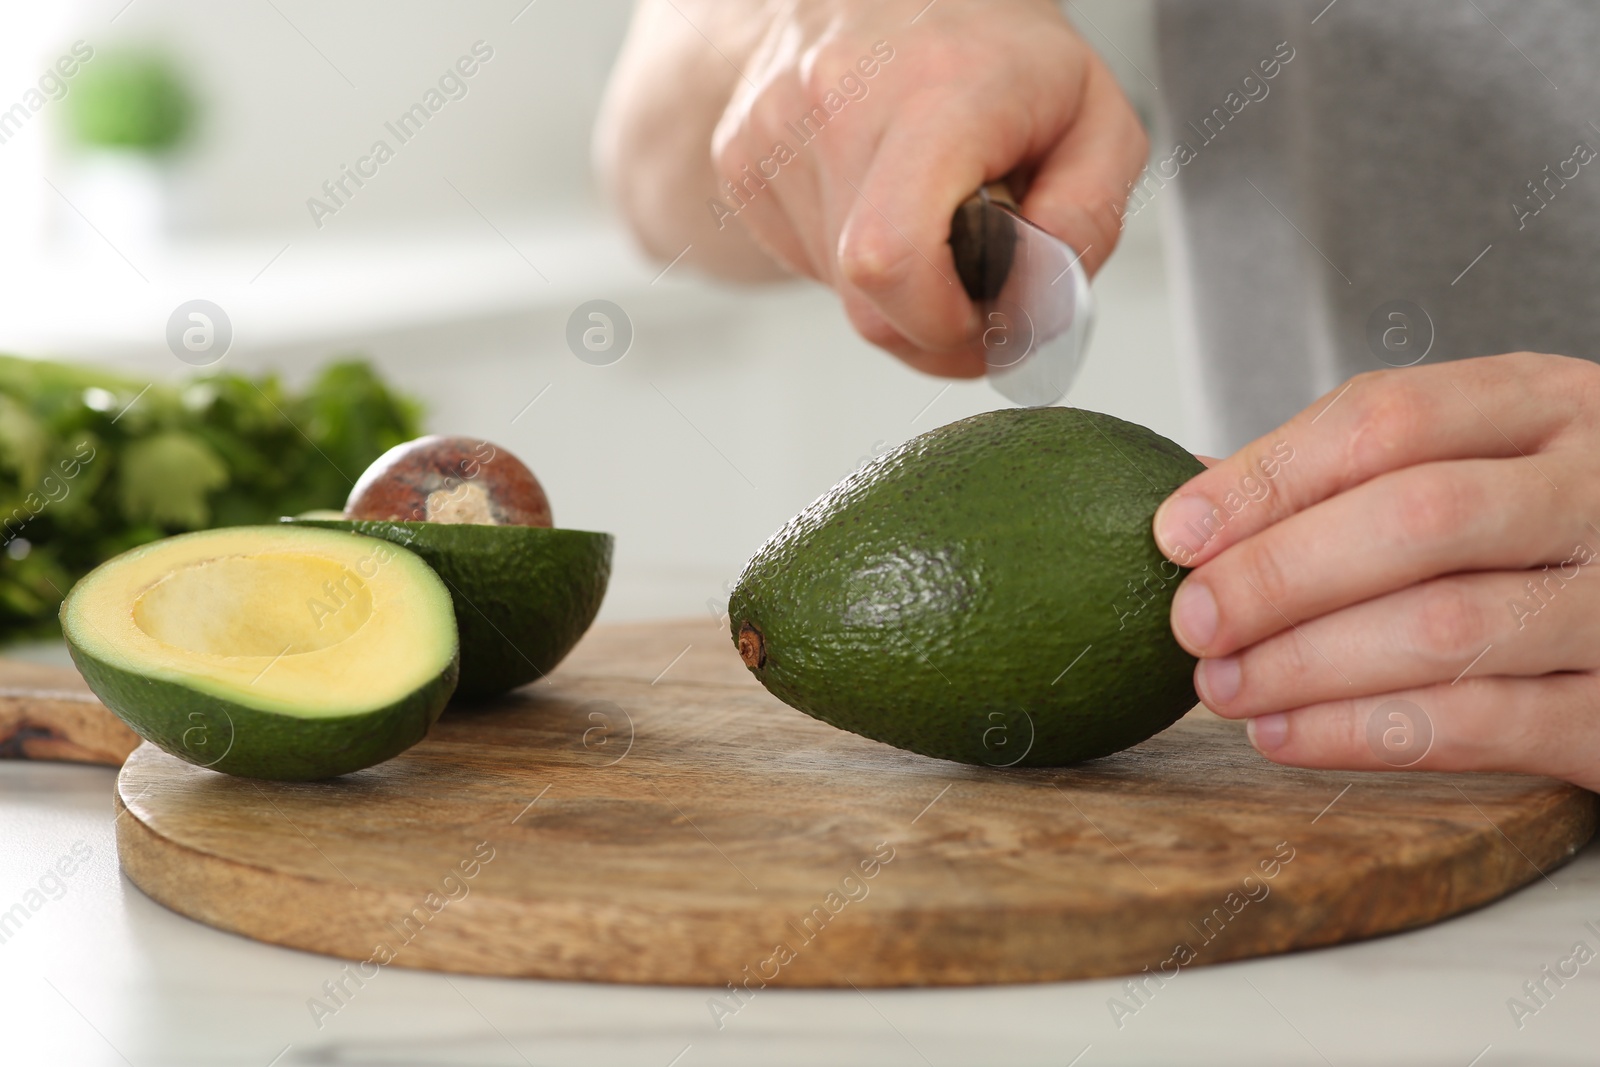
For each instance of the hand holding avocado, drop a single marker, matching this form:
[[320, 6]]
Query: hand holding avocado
[[1428, 543]]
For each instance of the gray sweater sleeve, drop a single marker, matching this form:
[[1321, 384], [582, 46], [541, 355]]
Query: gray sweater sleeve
[[1413, 181]]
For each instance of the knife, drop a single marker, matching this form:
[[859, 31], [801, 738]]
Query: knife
[[1032, 292]]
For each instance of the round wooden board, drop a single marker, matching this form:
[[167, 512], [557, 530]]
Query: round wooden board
[[694, 830]]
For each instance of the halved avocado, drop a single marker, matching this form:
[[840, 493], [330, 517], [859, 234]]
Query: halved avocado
[[268, 651], [523, 595]]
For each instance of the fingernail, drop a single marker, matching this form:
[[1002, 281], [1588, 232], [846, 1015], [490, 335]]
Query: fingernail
[[1267, 733], [1219, 679], [1194, 615], [1183, 525]]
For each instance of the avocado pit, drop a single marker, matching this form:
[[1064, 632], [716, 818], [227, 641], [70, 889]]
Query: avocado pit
[[456, 480]]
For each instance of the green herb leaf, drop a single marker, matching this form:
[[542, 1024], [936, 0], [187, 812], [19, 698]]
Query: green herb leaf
[[165, 480]]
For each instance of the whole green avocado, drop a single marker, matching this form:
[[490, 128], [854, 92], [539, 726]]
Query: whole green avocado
[[988, 592]]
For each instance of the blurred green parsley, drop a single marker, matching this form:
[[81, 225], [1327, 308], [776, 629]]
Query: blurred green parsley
[[84, 475]]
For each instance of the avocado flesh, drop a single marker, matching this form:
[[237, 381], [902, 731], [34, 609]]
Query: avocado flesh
[[988, 592], [267, 651], [523, 595]]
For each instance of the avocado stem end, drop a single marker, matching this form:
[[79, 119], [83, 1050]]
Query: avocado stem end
[[752, 646]]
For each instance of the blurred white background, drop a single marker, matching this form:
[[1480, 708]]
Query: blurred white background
[[456, 267]]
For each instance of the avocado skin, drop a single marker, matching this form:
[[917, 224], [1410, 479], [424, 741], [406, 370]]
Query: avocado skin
[[933, 598], [523, 595], [191, 725]]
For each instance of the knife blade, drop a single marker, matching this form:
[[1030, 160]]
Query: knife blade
[[1032, 292]]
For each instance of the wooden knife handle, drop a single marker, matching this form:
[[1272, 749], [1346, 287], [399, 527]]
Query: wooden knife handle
[[58, 724], [983, 245]]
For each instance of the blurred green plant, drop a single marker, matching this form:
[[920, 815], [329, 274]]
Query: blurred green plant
[[132, 100], [84, 475]]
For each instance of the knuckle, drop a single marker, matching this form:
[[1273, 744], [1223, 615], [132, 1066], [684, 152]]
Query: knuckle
[[1582, 371], [1449, 623], [1269, 574], [765, 123], [1436, 508], [1294, 659], [728, 149], [1387, 412], [1347, 729], [874, 259], [824, 67], [1578, 381], [1277, 666], [1540, 372], [1260, 486], [1545, 363]]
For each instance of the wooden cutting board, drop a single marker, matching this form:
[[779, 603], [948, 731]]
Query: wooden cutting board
[[650, 814]]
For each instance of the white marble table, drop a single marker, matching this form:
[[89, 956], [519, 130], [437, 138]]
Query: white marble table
[[100, 974]]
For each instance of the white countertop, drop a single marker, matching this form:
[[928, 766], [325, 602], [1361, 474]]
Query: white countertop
[[103, 975]]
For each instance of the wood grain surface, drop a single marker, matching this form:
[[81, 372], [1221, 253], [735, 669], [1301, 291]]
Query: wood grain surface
[[649, 814], [48, 713]]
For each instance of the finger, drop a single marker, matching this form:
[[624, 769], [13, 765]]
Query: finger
[[894, 245], [1386, 534], [1495, 406], [777, 233], [797, 216], [1545, 725], [1522, 623], [776, 205], [1079, 189]]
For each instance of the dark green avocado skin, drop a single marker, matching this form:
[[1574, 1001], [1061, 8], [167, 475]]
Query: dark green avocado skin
[[237, 739], [933, 599], [523, 595]]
